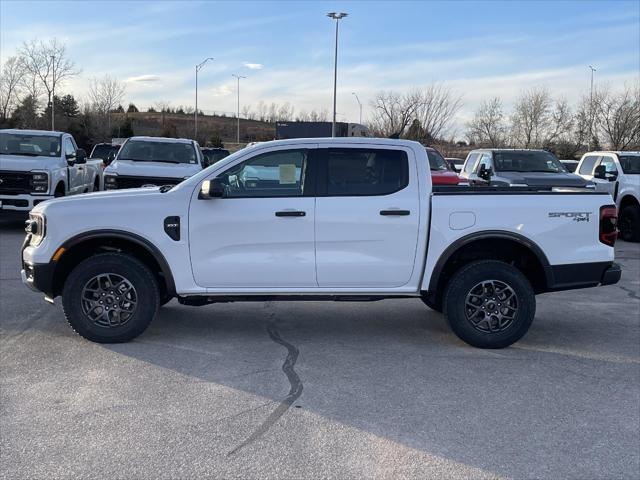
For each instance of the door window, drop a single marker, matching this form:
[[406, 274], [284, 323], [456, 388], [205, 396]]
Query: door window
[[273, 174], [587, 165], [360, 171], [69, 149], [484, 160], [609, 164]]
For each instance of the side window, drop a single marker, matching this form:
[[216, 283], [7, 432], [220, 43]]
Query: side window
[[360, 171], [484, 160], [587, 165], [273, 174], [69, 148], [471, 162], [609, 165]]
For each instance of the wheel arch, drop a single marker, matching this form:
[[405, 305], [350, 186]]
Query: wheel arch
[[84, 245], [510, 247], [627, 200]]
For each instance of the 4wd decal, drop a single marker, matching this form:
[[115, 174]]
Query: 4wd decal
[[576, 216]]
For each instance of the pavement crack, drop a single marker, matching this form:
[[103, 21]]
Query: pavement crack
[[295, 389], [630, 292]]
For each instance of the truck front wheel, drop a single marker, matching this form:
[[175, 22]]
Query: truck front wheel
[[489, 304], [110, 298]]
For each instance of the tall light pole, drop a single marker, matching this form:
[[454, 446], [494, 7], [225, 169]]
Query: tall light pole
[[198, 68], [238, 115], [359, 104], [591, 108], [53, 91], [337, 17]]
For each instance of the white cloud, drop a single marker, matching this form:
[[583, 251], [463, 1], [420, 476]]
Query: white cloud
[[143, 79], [221, 91], [253, 66]]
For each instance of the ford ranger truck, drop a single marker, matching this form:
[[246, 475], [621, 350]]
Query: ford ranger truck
[[617, 173], [151, 162], [352, 219], [36, 165]]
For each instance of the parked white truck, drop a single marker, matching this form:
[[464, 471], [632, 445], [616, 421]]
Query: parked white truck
[[351, 219], [36, 165], [152, 161], [617, 173]]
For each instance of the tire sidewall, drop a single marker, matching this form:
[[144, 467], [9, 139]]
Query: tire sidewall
[[631, 213], [468, 277], [131, 269]]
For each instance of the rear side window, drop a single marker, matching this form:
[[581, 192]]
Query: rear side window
[[470, 163], [587, 165], [358, 171]]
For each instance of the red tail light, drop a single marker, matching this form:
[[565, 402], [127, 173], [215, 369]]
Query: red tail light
[[608, 225]]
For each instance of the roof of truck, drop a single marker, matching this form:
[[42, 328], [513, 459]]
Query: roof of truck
[[354, 140], [617, 152], [18, 131], [163, 139]]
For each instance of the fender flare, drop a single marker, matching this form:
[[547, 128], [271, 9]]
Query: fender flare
[[485, 235], [134, 238]]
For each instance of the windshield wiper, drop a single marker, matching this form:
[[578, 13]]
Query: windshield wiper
[[23, 154]]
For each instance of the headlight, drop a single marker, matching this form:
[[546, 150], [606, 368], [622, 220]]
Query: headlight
[[36, 228], [110, 182], [39, 182]]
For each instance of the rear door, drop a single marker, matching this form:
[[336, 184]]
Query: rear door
[[367, 217]]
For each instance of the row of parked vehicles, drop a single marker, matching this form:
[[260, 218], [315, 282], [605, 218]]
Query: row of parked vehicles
[[347, 219]]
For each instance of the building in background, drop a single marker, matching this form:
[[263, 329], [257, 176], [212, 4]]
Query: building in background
[[285, 130]]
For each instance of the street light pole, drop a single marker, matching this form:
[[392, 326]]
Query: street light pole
[[198, 68], [53, 91], [360, 105], [337, 17], [238, 114], [591, 108]]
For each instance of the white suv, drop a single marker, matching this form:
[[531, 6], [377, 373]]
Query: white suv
[[619, 174]]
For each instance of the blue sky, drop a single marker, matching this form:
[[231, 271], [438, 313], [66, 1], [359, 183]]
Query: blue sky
[[479, 49]]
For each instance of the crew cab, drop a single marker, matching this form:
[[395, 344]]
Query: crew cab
[[152, 161], [519, 168], [36, 165], [617, 173], [350, 219]]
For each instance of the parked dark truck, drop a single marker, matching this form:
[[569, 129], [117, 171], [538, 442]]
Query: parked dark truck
[[519, 168]]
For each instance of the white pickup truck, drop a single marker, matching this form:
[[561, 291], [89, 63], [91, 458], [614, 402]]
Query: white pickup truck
[[36, 165], [617, 173], [152, 162], [325, 219]]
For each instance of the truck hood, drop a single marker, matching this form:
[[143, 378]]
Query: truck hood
[[99, 198], [542, 179], [444, 177], [152, 169], [17, 163]]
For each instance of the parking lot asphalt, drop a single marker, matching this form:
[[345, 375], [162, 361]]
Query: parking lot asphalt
[[331, 390]]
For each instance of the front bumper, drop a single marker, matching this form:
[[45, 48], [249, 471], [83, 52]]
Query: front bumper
[[39, 277], [22, 203]]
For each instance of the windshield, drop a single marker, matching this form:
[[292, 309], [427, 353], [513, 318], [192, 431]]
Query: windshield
[[630, 164], [102, 151], [436, 162], [527, 161], [25, 145], [150, 151], [216, 155]]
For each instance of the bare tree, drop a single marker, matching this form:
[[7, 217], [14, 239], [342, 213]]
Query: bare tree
[[436, 109], [48, 65], [285, 112], [393, 112], [530, 117], [488, 127], [11, 77], [559, 122], [246, 112], [618, 116], [105, 94]]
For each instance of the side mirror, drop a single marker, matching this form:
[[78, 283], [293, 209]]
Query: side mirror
[[81, 156], [485, 173], [110, 157], [211, 189]]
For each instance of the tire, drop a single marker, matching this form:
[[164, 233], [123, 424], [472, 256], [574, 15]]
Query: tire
[[433, 306], [629, 224], [96, 185], [59, 192], [118, 280], [487, 283], [164, 299]]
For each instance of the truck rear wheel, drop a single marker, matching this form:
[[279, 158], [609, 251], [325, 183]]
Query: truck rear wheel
[[110, 298], [489, 304], [630, 223]]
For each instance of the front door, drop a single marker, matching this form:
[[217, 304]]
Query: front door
[[261, 233], [76, 172], [610, 183], [367, 217]]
